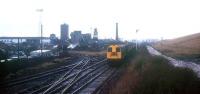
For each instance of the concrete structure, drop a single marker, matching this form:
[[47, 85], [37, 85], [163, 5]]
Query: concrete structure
[[22, 39], [95, 36], [75, 37], [64, 32]]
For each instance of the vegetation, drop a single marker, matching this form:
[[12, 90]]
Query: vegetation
[[4, 51], [130, 53], [12, 67], [186, 48], [3, 54], [148, 74]]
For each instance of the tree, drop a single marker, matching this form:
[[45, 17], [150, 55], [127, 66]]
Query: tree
[[3, 51]]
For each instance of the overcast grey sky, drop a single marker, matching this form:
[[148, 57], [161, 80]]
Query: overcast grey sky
[[153, 18]]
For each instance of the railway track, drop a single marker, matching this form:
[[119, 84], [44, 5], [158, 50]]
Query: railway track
[[43, 86], [63, 85], [19, 81], [69, 79], [34, 77], [42, 77]]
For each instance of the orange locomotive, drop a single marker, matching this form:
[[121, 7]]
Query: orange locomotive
[[115, 53]]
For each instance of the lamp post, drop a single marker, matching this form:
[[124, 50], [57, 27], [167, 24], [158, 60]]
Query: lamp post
[[41, 29]]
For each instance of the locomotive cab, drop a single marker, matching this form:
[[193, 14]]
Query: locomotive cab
[[114, 53]]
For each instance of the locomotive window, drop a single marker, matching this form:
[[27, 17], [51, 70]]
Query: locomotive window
[[109, 49], [117, 49]]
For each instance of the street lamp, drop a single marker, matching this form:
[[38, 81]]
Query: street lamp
[[41, 29]]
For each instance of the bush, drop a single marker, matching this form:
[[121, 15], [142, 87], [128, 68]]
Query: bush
[[15, 65]]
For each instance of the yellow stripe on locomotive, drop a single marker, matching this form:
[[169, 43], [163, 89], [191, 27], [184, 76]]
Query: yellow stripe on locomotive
[[114, 53]]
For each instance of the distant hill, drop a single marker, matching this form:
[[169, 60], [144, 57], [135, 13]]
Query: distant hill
[[183, 47]]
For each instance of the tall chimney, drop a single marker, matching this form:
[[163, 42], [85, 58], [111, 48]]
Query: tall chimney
[[117, 38]]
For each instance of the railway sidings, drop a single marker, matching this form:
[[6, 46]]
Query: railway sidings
[[84, 76]]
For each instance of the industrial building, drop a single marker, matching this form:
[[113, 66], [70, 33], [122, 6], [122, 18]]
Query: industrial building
[[86, 37], [75, 37], [64, 32], [53, 39]]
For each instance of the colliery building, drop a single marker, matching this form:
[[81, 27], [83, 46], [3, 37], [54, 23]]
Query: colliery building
[[64, 31], [77, 37]]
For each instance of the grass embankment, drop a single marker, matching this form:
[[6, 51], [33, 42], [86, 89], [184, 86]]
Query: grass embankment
[[186, 48], [148, 74]]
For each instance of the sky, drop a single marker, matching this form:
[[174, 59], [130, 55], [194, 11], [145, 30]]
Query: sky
[[158, 19]]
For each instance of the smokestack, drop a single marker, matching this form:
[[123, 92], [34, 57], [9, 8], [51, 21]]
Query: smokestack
[[117, 38], [95, 36]]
